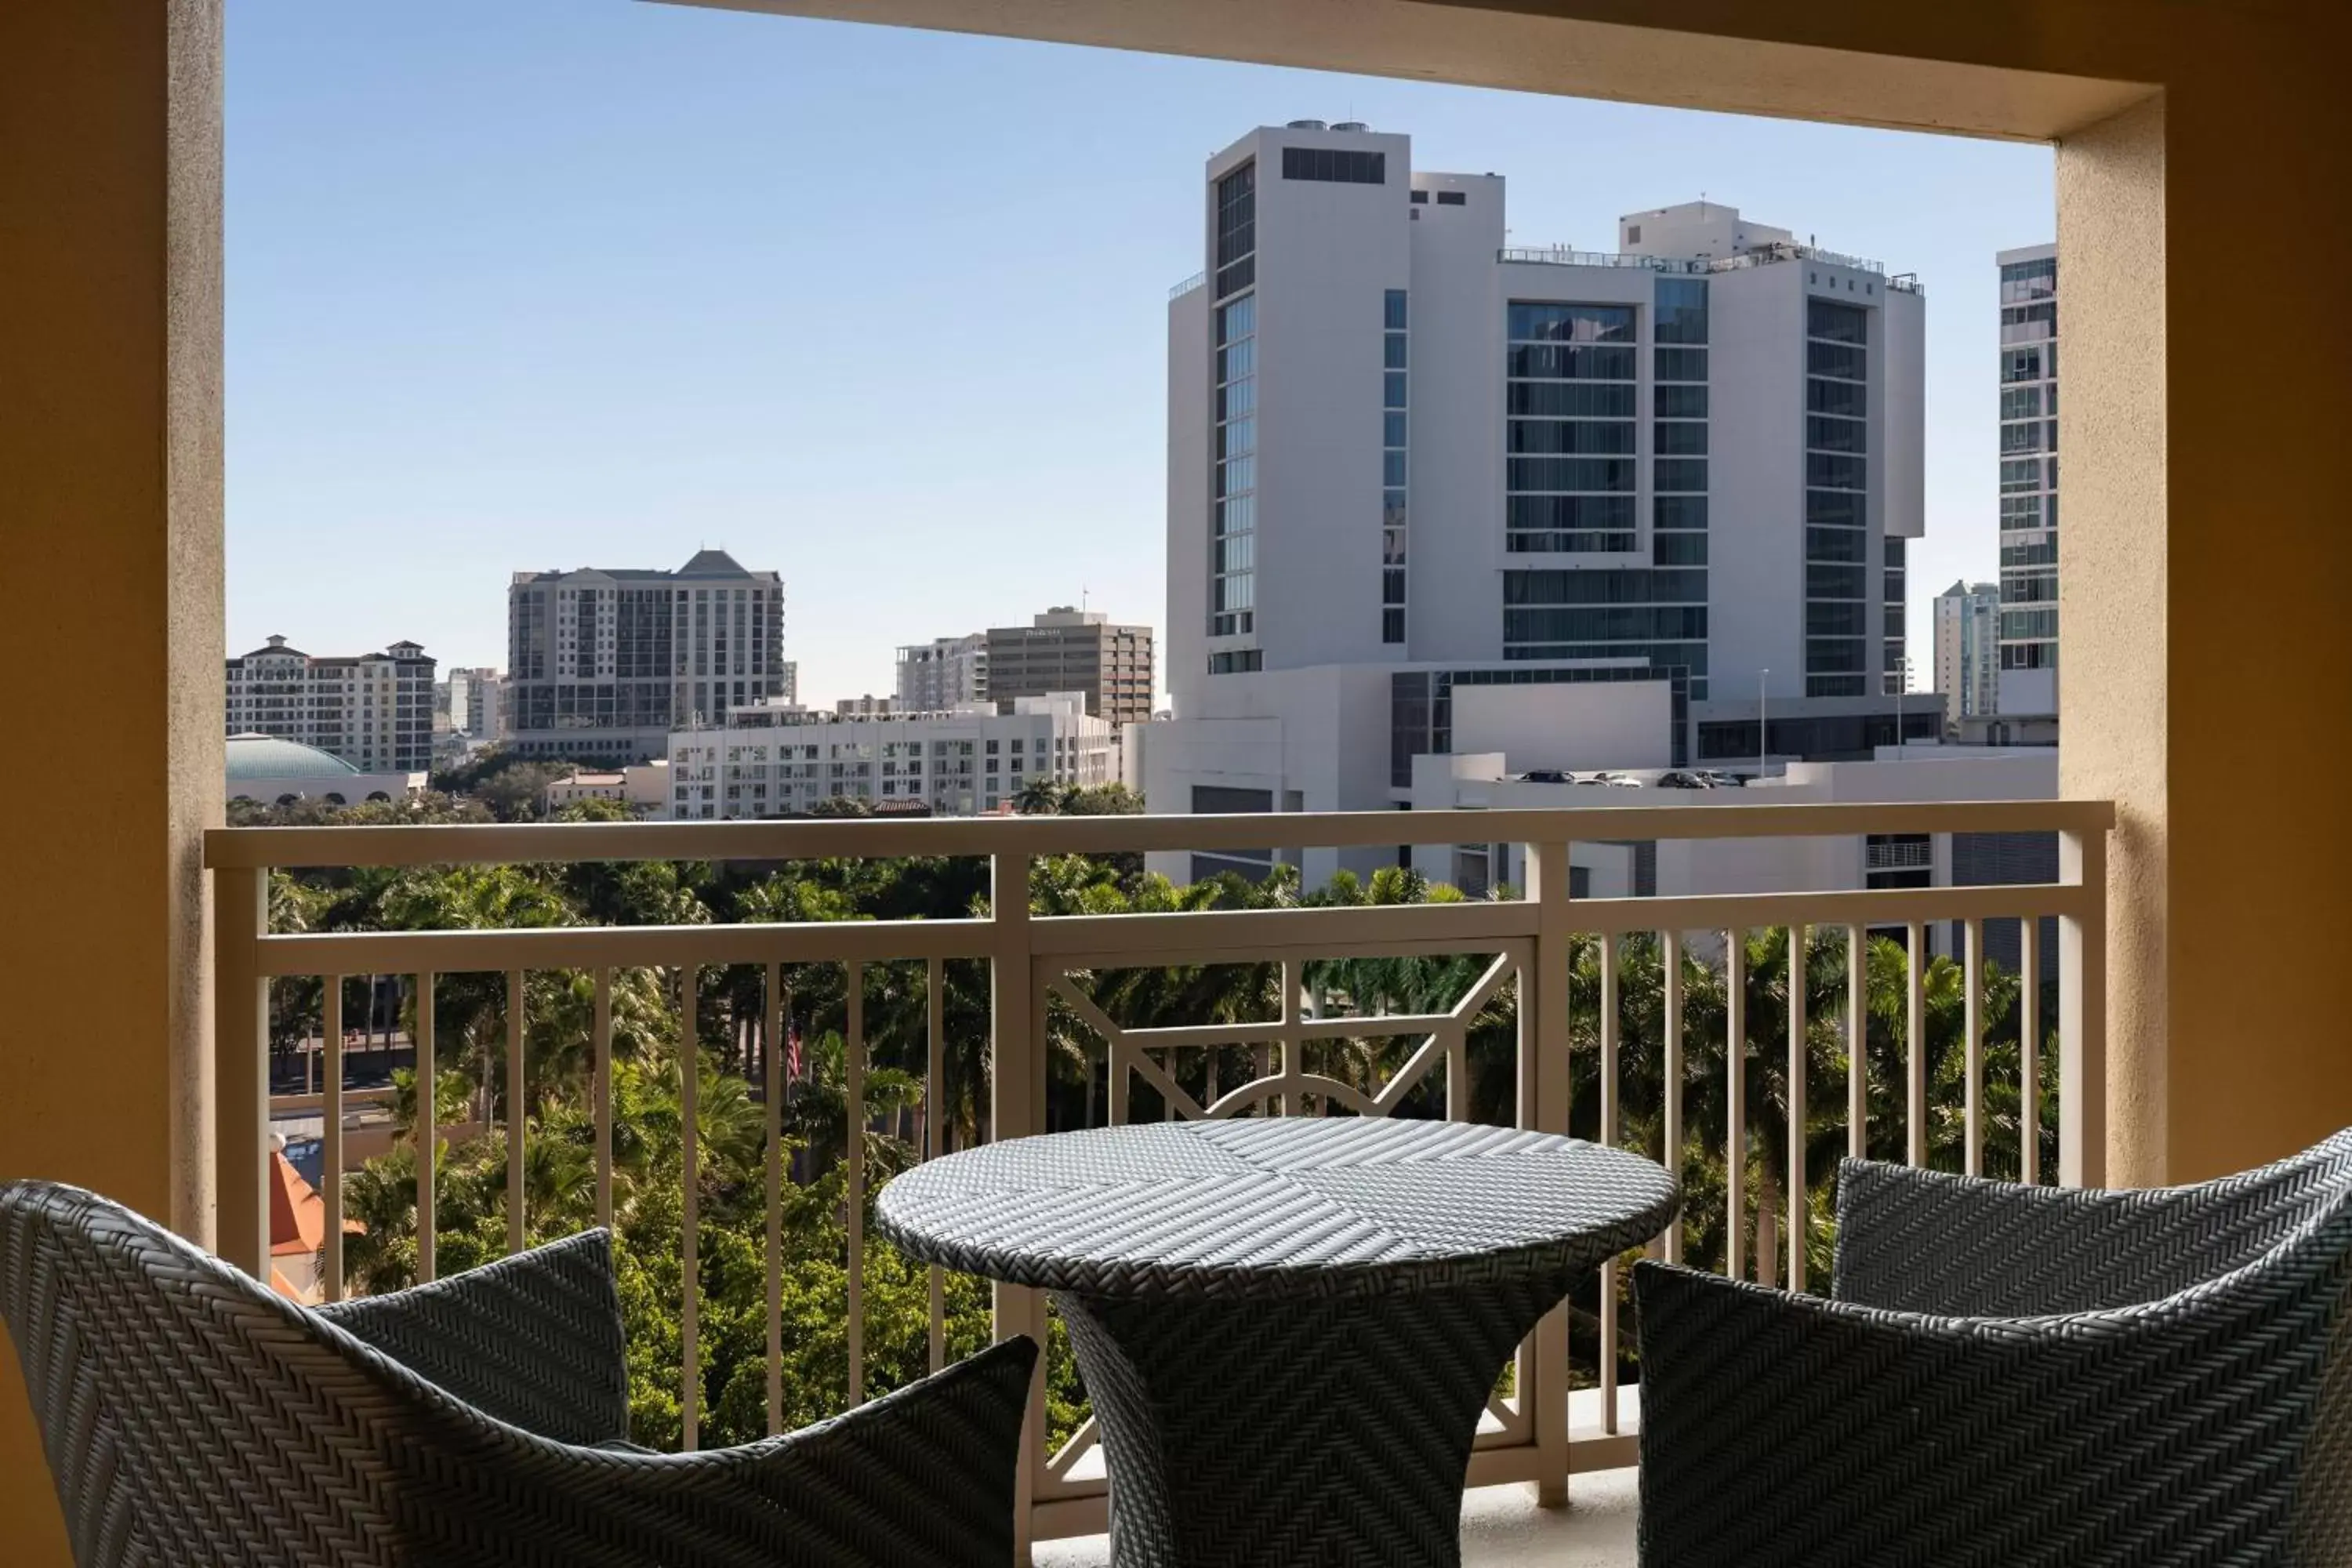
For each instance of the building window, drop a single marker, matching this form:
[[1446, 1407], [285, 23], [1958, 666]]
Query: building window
[[1570, 480], [1237, 231], [1419, 199], [1452, 199], [1837, 541], [1394, 489], [1338, 166], [1234, 502]]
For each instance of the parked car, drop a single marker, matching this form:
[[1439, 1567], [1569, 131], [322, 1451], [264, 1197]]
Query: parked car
[[1717, 779], [1623, 781], [1679, 780], [1547, 776]]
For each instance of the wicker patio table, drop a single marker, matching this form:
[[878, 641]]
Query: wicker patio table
[[1288, 1327]]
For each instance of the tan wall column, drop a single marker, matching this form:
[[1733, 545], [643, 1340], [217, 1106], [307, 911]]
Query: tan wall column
[[111, 608], [2205, 548]]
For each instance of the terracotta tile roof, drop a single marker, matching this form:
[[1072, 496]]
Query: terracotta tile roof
[[298, 1214]]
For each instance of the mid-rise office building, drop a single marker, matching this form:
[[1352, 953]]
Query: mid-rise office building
[[373, 710], [1070, 649], [775, 760], [1400, 447], [788, 689], [604, 663], [943, 673], [1968, 650], [2029, 481]]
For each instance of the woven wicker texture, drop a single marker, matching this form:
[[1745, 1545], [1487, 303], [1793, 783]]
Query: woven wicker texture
[[1276, 1206], [2017, 1376], [1288, 1327], [190, 1415]]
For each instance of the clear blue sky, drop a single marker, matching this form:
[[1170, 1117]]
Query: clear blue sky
[[555, 283]]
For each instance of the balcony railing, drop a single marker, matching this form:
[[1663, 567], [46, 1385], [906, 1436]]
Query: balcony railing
[[1763, 256], [1542, 991]]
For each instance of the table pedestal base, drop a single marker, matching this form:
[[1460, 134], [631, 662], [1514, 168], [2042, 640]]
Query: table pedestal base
[[1295, 1433]]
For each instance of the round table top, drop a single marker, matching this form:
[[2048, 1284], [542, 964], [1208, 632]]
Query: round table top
[[1276, 1206]]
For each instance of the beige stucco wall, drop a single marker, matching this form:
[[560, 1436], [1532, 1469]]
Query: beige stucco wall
[[111, 480]]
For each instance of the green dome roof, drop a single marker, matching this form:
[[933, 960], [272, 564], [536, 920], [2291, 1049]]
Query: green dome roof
[[267, 757]]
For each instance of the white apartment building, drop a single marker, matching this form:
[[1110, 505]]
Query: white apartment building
[[603, 663], [374, 710], [1403, 452], [943, 673], [775, 760], [1968, 650], [2029, 481]]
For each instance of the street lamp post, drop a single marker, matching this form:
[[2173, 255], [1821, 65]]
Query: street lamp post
[[1763, 730]]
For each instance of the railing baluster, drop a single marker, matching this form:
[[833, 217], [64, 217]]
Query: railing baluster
[[1014, 1112], [1609, 1025], [854, 1048], [774, 1026], [1673, 1087], [1972, 961], [1544, 1089], [331, 1138], [1799, 1209], [1735, 1100], [1915, 1045], [427, 1126], [690, 1317], [2029, 1050], [935, 1110], [517, 1122], [2083, 1012], [1857, 1042], [1294, 1045], [241, 1068], [599, 1090]]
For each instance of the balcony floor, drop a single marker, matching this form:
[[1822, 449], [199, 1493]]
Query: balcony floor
[[1501, 1528]]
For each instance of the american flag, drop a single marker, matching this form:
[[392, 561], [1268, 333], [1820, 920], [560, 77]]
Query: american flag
[[792, 1050]]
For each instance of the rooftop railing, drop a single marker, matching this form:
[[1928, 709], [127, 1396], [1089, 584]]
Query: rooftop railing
[[1743, 1038]]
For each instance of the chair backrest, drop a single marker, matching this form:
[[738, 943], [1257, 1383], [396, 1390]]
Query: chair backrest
[[1933, 1242], [189, 1413]]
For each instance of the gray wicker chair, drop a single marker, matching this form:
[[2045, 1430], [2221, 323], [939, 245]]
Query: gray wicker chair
[[2015, 1376], [192, 1415]]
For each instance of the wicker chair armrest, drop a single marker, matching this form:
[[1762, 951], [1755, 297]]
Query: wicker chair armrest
[[1781, 1429], [534, 1340], [924, 1477], [1929, 1241]]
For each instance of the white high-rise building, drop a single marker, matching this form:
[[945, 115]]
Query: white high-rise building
[[2029, 480], [603, 663], [374, 710], [773, 760], [1402, 452], [943, 673], [1968, 650]]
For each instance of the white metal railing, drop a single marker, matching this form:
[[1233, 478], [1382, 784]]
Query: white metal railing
[[1763, 256], [1198, 279], [1527, 946]]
